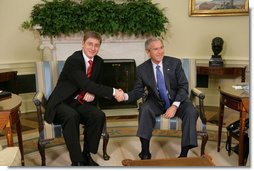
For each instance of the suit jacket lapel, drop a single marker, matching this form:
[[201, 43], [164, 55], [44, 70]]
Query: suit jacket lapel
[[152, 76], [95, 68], [166, 71]]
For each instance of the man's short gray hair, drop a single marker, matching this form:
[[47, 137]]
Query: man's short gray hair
[[152, 39]]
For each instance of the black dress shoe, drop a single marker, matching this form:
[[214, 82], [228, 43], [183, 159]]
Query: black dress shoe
[[144, 156], [78, 164], [89, 160]]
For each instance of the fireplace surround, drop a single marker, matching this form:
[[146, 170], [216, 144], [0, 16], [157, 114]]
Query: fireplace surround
[[118, 73]]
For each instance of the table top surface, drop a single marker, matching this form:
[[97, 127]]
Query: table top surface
[[224, 66], [10, 103], [240, 90]]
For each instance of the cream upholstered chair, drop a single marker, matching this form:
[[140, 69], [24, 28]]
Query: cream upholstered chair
[[10, 156], [197, 97], [46, 77]]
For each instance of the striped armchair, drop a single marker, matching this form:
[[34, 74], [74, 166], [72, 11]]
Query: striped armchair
[[46, 77], [196, 96]]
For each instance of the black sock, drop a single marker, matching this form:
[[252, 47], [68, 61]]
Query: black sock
[[145, 145], [184, 151]]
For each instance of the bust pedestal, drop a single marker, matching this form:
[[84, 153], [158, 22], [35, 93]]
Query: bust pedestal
[[216, 61]]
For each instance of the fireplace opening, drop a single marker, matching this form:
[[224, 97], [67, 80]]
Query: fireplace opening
[[118, 73]]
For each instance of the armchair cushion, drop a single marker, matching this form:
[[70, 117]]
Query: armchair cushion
[[175, 124], [50, 131]]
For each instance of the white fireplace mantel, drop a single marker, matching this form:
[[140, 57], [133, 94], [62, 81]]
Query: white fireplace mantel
[[112, 47]]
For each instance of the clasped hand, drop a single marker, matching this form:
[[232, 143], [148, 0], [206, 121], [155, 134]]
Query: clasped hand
[[88, 97], [119, 95]]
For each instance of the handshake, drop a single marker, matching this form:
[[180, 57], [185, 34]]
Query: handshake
[[119, 95]]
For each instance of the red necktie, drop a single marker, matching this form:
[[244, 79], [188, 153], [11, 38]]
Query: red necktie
[[88, 74]]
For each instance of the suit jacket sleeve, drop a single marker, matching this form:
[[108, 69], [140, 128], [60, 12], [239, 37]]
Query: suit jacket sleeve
[[138, 89], [179, 85]]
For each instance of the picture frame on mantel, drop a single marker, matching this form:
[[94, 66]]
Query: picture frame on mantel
[[218, 7]]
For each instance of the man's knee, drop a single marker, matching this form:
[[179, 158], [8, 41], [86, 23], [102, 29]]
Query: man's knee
[[73, 117], [100, 116], [190, 111]]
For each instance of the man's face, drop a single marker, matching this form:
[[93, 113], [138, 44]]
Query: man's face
[[156, 51], [91, 47]]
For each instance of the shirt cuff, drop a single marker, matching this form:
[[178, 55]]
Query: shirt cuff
[[177, 104], [126, 97], [114, 91]]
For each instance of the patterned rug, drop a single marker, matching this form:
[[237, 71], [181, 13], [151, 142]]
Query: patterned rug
[[30, 140], [118, 126], [124, 145]]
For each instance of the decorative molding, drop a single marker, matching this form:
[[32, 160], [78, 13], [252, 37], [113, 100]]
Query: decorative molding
[[120, 47], [23, 67]]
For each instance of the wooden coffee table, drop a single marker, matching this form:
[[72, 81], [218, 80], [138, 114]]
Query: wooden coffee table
[[237, 99], [204, 160]]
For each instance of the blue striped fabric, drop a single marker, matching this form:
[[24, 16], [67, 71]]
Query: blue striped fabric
[[175, 124], [44, 77], [60, 65], [47, 79], [44, 83]]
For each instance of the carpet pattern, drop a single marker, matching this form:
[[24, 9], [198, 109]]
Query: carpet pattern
[[120, 128], [121, 148]]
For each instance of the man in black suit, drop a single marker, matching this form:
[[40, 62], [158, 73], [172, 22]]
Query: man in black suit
[[73, 100], [167, 87]]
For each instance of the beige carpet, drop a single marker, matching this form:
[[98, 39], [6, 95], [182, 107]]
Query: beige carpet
[[120, 148]]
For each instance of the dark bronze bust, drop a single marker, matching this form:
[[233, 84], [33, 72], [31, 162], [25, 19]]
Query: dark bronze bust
[[217, 47]]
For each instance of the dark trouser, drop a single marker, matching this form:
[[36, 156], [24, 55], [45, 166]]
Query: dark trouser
[[70, 116], [186, 111]]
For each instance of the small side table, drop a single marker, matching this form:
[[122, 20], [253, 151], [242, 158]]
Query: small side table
[[9, 110], [237, 100]]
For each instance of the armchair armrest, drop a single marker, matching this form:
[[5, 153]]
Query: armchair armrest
[[40, 103], [201, 96]]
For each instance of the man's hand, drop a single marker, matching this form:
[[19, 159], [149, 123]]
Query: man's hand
[[170, 113], [88, 97], [119, 95]]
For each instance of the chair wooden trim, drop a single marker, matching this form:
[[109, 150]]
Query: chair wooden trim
[[40, 103], [196, 93]]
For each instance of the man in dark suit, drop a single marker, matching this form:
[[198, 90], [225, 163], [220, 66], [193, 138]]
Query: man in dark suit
[[167, 87], [73, 100]]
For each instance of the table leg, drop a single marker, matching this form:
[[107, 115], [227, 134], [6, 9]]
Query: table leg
[[221, 115], [19, 133], [243, 75], [241, 138], [9, 136]]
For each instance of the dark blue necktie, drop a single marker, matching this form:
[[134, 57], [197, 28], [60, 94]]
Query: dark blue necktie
[[162, 87]]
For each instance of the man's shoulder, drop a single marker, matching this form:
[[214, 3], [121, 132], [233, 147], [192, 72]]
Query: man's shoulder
[[145, 64], [171, 58], [97, 57], [75, 54]]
